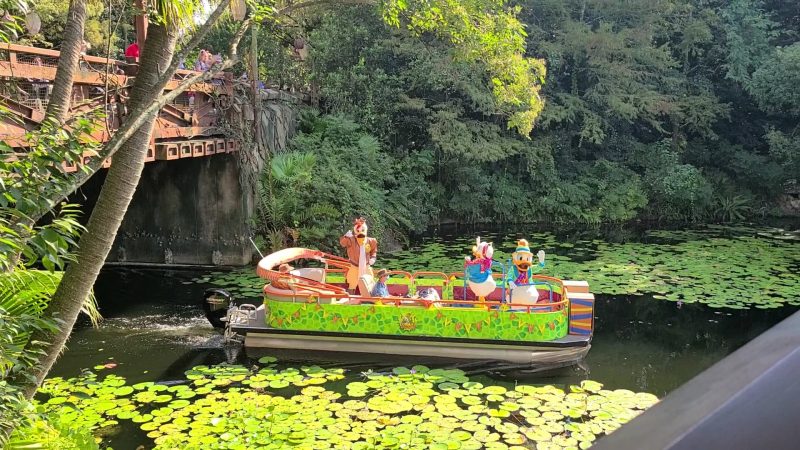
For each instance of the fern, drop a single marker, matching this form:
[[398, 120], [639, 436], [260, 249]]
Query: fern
[[730, 209], [24, 295], [29, 291]]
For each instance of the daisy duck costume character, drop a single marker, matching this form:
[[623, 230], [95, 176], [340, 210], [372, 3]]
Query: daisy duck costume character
[[361, 251], [478, 271], [521, 274]]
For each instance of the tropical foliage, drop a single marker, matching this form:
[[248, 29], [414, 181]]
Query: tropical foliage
[[104, 28], [333, 166], [24, 294], [29, 186], [639, 121]]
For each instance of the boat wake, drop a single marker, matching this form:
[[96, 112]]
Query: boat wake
[[179, 325]]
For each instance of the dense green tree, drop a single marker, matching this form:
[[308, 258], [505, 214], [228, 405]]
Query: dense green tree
[[98, 28], [774, 83], [748, 31], [664, 109]]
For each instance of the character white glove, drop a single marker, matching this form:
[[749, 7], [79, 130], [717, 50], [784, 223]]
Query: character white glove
[[372, 261], [512, 285], [468, 258], [349, 233], [540, 256]]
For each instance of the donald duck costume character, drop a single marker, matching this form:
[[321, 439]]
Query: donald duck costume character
[[361, 251], [521, 273], [479, 271]]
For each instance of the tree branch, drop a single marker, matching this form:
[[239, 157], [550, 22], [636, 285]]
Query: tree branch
[[197, 37], [285, 11]]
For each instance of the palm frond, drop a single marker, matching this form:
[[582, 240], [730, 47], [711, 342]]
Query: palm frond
[[29, 291], [179, 14], [294, 166]]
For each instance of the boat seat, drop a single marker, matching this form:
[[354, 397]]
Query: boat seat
[[365, 285], [459, 290], [397, 290], [312, 273]]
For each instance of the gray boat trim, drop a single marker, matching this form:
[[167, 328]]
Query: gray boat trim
[[533, 355]]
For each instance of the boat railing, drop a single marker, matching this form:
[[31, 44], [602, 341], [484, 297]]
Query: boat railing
[[462, 278], [402, 273], [329, 270], [556, 285], [550, 284], [399, 289], [392, 301], [488, 305], [497, 276]]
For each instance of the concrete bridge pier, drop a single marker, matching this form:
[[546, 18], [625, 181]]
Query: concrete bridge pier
[[187, 211]]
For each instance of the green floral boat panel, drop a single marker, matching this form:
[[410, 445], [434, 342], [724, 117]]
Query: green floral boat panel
[[470, 323]]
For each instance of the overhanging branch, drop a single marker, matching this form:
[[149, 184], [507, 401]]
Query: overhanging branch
[[285, 11]]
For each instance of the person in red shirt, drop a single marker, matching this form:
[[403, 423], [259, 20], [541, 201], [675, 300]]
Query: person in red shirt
[[132, 51]]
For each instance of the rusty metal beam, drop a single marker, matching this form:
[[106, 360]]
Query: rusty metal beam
[[33, 65], [140, 23]]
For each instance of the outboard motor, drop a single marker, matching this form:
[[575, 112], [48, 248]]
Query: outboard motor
[[215, 305]]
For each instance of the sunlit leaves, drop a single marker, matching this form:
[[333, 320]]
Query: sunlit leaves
[[485, 32], [32, 180], [177, 14]]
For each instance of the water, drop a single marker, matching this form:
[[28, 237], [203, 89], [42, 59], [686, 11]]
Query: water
[[154, 329]]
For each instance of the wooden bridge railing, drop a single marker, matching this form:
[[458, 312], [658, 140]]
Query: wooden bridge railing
[[192, 119]]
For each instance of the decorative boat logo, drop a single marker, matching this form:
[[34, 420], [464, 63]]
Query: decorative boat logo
[[408, 322]]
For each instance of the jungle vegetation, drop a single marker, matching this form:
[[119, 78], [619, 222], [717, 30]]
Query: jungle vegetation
[[34, 187], [657, 110], [424, 112]]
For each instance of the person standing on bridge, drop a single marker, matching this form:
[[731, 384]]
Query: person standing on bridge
[[361, 251], [132, 52], [131, 59], [203, 61]]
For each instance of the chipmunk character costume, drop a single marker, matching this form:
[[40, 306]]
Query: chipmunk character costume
[[361, 251], [522, 272]]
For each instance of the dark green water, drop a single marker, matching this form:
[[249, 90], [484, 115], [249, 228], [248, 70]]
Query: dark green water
[[154, 329]]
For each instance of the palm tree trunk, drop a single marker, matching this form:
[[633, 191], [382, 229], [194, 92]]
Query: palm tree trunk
[[107, 215], [60, 98]]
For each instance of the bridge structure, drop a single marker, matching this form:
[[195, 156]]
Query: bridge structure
[[187, 127], [190, 207]]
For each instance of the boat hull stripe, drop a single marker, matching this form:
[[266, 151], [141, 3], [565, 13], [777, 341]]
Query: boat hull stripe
[[581, 316], [581, 302]]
